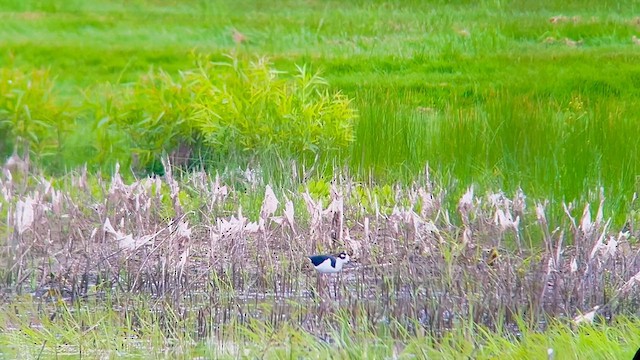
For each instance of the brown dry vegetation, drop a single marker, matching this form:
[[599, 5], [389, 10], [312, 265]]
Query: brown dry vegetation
[[417, 262]]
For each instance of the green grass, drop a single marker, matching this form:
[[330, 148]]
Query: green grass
[[470, 88], [153, 329]]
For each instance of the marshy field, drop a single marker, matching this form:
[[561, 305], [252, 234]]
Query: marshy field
[[168, 166]]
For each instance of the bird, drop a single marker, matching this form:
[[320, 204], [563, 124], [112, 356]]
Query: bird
[[329, 264]]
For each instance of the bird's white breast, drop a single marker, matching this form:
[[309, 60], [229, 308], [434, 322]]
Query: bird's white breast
[[325, 267]]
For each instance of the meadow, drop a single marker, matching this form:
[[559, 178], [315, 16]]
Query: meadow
[[477, 159]]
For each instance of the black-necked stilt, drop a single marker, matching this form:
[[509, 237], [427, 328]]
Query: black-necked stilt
[[328, 264]]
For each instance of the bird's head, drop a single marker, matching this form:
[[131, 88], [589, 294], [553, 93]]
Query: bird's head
[[343, 257]]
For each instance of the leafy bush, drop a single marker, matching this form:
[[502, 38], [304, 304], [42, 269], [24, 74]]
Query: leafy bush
[[236, 109], [251, 107], [103, 135], [160, 116], [138, 122], [30, 117]]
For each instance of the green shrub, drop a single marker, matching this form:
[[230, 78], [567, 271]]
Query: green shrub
[[102, 136], [161, 113], [30, 117], [236, 110], [250, 108]]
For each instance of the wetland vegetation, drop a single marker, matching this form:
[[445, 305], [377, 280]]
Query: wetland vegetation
[[170, 166]]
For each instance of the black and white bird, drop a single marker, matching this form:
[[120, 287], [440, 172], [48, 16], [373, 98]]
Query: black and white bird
[[329, 264]]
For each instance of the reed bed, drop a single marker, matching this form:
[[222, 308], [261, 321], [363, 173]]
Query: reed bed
[[201, 266]]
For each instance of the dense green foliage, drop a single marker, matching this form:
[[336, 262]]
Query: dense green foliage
[[502, 94], [234, 109], [29, 113], [251, 109]]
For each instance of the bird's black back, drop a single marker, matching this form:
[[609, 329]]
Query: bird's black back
[[319, 259]]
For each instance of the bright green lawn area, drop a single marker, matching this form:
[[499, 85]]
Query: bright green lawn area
[[494, 93]]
